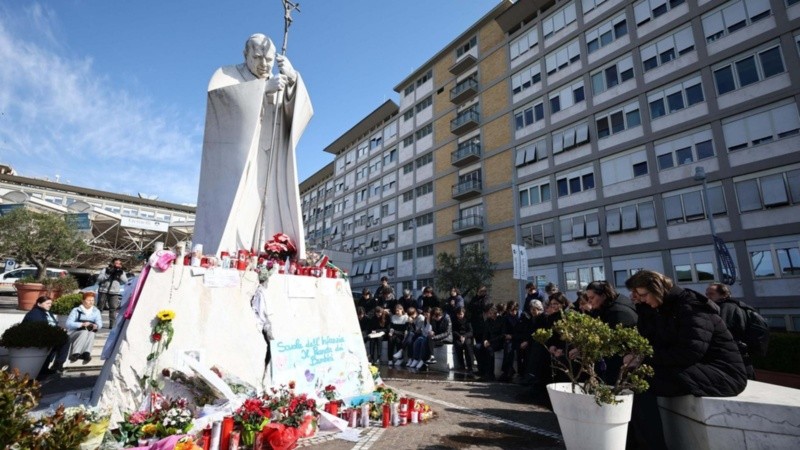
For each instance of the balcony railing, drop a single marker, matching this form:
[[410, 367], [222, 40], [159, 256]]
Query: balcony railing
[[466, 153], [464, 90], [468, 224], [463, 63], [466, 189], [465, 121]]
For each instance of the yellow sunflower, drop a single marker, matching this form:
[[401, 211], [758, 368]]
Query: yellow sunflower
[[166, 314]]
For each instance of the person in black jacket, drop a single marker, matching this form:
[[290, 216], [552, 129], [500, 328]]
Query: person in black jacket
[[613, 309], [41, 313], [476, 306], [488, 340], [693, 351], [428, 299], [530, 321], [367, 301], [441, 332], [463, 342], [735, 319]]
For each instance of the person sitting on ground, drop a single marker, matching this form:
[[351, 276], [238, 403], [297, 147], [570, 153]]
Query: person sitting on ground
[[407, 300], [378, 332], [463, 342], [82, 324], [398, 324], [428, 299], [441, 333], [41, 313], [693, 351], [488, 340], [509, 321], [419, 349], [416, 323], [530, 321], [735, 319]]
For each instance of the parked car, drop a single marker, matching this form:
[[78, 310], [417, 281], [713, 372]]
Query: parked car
[[8, 279]]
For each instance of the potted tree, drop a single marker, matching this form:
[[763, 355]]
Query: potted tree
[[29, 343], [38, 239], [592, 413]]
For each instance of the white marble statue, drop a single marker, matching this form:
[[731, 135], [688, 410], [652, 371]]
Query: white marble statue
[[240, 171]]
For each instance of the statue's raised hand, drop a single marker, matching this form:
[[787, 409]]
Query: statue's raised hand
[[286, 68]]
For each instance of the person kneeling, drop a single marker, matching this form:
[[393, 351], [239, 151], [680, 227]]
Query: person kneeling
[[82, 324]]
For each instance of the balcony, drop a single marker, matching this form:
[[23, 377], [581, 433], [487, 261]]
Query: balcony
[[463, 63], [464, 90], [465, 121], [468, 224], [467, 189], [467, 152]]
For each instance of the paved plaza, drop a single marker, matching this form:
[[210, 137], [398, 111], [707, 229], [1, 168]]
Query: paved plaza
[[469, 414]]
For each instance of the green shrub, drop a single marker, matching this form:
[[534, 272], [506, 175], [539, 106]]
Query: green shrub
[[783, 354], [65, 284], [64, 304], [19, 395], [33, 334]]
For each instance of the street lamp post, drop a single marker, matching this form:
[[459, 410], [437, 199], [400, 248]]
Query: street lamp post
[[700, 175]]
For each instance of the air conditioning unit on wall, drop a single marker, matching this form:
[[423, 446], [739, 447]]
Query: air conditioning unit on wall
[[594, 241]]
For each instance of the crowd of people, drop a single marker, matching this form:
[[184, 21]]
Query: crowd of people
[[698, 339]]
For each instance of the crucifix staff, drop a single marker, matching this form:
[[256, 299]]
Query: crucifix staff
[[288, 7]]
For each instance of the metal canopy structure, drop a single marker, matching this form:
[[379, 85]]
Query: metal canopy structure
[[109, 235]]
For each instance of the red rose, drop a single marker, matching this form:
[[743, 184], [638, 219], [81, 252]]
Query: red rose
[[291, 384], [156, 337]]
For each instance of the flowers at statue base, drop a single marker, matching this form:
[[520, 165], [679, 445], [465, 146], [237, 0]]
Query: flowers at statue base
[[161, 329], [251, 418], [280, 247], [329, 393], [165, 417], [386, 394], [187, 443], [288, 407]]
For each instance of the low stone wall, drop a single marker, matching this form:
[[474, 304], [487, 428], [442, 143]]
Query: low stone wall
[[764, 416]]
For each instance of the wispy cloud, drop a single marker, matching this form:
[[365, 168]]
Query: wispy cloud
[[59, 116]]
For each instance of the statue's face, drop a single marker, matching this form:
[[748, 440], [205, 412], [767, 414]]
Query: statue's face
[[259, 60]]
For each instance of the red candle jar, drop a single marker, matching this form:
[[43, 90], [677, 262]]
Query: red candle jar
[[241, 259], [225, 434], [387, 415]]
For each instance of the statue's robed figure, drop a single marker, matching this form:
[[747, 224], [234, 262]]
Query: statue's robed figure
[[248, 175]]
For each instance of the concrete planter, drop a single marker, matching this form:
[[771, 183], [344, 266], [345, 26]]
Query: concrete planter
[[585, 424], [28, 360]]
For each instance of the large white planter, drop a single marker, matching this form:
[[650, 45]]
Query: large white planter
[[586, 425], [28, 360]]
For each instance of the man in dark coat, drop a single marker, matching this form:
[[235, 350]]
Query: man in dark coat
[[488, 339], [735, 319]]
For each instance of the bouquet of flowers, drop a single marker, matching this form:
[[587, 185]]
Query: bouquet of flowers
[[280, 247], [251, 417], [386, 394], [329, 393], [165, 417], [289, 408]]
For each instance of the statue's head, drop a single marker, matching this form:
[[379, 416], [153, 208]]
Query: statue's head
[[259, 55]]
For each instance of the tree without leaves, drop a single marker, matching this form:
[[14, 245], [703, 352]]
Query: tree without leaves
[[38, 238], [468, 271]]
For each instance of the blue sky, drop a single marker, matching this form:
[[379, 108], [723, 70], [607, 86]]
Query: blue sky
[[111, 94]]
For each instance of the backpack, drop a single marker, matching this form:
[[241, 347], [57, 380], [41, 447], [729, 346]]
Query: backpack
[[756, 335]]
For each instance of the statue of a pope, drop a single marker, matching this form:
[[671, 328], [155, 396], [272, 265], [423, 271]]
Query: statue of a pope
[[248, 190]]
